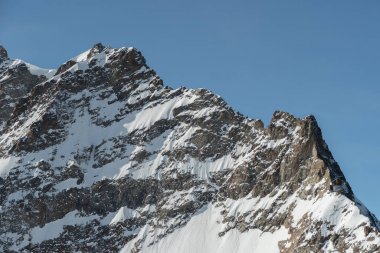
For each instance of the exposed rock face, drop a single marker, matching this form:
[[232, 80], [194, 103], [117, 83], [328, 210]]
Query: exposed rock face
[[17, 78], [101, 157], [3, 54]]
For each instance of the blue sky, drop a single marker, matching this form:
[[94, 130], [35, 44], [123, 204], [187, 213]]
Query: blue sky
[[305, 57]]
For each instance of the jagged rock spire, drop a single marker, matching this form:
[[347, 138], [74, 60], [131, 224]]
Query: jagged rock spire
[[3, 54], [98, 47]]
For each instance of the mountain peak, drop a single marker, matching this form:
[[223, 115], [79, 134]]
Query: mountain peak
[[98, 47], [103, 155], [121, 60], [3, 54]]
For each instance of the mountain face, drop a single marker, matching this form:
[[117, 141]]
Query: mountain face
[[99, 156]]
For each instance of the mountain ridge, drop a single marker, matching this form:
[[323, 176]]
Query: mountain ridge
[[116, 161]]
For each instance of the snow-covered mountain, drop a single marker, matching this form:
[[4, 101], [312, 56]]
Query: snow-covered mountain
[[100, 156]]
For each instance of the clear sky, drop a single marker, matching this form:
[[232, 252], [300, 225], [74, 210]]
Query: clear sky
[[305, 57]]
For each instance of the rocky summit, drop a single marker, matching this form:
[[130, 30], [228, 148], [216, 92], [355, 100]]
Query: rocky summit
[[99, 156]]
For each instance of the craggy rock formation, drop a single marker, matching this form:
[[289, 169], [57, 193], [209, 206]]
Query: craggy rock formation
[[99, 156]]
